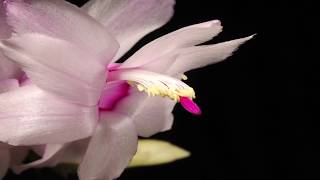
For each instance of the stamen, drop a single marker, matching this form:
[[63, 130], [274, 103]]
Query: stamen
[[164, 89], [155, 84], [184, 77]]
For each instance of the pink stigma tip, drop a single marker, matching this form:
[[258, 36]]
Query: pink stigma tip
[[190, 106]]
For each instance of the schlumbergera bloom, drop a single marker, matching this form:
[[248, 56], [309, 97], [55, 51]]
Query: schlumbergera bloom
[[73, 88]]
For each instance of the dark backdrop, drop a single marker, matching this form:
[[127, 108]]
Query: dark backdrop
[[259, 106]]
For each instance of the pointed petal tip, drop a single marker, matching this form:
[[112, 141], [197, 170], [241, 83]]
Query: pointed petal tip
[[153, 152], [240, 41], [212, 23], [249, 37]]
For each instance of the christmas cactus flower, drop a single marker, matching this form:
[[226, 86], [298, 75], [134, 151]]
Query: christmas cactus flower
[[74, 88]]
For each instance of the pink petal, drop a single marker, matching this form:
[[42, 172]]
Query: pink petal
[[62, 20], [5, 30], [110, 149], [150, 115], [30, 116], [200, 56], [9, 84], [7, 68], [182, 38], [51, 154], [58, 67], [113, 66], [112, 94], [130, 20], [4, 160], [190, 106]]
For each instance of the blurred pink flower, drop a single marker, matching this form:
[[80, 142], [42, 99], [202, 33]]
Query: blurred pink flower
[[75, 90]]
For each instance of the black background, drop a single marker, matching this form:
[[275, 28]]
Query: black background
[[260, 107]]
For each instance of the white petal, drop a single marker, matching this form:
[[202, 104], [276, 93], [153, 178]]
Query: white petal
[[186, 37], [62, 20], [30, 116], [110, 149], [59, 67], [130, 20]]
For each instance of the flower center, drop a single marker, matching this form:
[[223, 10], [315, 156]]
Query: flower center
[[155, 84]]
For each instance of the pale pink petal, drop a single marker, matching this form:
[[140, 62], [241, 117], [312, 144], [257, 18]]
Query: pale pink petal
[[186, 37], [62, 20], [151, 115], [49, 158], [194, 57], [130, 20], [4, 160], [97, 8], [201, 56], [7, 68], [59, 67], [31, 116], [8, 84], [5, 30], [110, 149], [161, 64]]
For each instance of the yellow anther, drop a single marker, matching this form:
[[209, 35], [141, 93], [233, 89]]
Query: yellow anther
[[172, 92], [140, 87], [184, 77]]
